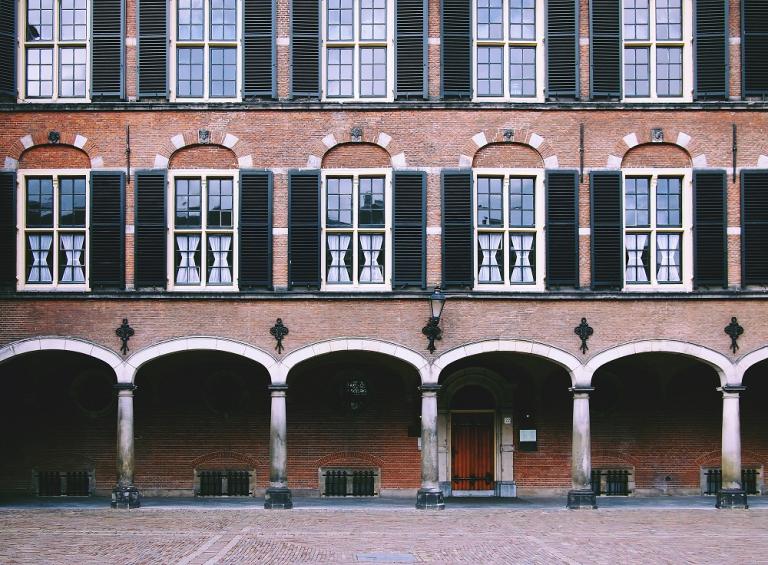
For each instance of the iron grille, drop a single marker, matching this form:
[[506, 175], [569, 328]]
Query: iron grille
[[714, 481], [225, 483], [349, 482], [63, 483], [611, 482]]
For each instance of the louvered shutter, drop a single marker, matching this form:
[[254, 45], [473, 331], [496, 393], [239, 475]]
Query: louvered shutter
[[259, 59], [150, 232], [8, 230], [304, 229], [562, 230], [710, 242], [8, 50], [152, 30], [411, 49], [754, 46], [255, 250], [107, 230], [456, 48], [305, 48], [710, 38], [562, 49], [409, 232], [605, 48], [606, 229], [458, 237], [107, 51], [754, 227]]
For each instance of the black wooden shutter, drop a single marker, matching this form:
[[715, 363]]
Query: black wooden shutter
[[150, 233], [304, 229], [8, 230], [458, 237], [409, 233], [107, 53], [456, 48], [605, 48], [255, 250], [8, 50], [710, 39], [754, 227], [152, 30], [259, 58], [754, 46], [411, 49], [305, 48], [562, 229], [606, 229], [107, 230], [710, 240], [562, 49]]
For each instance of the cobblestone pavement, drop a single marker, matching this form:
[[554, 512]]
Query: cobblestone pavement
[[535, 534]]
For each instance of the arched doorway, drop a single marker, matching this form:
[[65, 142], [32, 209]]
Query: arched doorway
[[473, 437]]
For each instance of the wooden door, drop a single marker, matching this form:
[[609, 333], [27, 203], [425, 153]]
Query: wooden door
[[472, 451]]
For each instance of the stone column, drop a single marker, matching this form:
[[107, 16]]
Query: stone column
[[278, 494], [125, 494], [732, 493], [581, 495], [429, 495]]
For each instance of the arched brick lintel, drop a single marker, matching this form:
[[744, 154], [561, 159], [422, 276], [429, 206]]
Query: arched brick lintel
[[680, 139], [39, 138], [521, 136], [339, 136], [193, 137]]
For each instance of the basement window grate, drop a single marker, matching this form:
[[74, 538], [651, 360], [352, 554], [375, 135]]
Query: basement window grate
[[349, 482], [714, 481], [224, 483], [64, 483], [611, 482]]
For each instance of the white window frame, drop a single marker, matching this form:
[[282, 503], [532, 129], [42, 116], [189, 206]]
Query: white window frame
[[355, 229], [206, 44], [686, 230], [506, 43], [685, 44], [203, 230], [539, 229], [356, 43], [55, 44], [22, 230]]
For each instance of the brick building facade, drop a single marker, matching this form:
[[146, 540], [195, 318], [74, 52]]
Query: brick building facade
[[546, 162]]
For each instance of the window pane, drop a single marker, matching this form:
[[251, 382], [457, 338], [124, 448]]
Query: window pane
[[371, 258], [190, 72], [219, 203], [73, 22], [40, 20], [188, 196], [490, 71], [340, 72], [373, 20], [340, 20], [669, 71], [490, 258], [638, 257], [219, 259], [39, 258], [522, 258], [373, 71], [668, 258], [72, 61], [636, 19], [490, 204], [339, 201], [338, 258], [669, 19], [72, 202], [223, 72], [191, 20], [187, 259], [72, 258], [39, 202], [489, 19], [522, 71], [39, 73], [521, 202], [668, 202], [636, 72], [637, 201], [522, 19], [371, 201], [223, 20]]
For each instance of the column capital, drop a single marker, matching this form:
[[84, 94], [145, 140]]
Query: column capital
[[277, 388], [732, 389], [120, 387], [581, 390], [430, 387]]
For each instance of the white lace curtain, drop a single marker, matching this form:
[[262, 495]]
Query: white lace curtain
[[635, 244], [72, 246], [220, 272], [187, 272], [490, 271], [668, 251], [338, 244], [371, 271], [522, 272], [40, 247]]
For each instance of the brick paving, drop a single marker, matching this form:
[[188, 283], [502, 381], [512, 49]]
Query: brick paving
[[397, 534]]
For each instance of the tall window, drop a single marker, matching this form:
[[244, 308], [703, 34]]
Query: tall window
[[54, 244], [507, 51], [207, 49], [356, 229], [509, 230], [204, 229], [656, 49], [657, 222], [357, 53], [56, 49]]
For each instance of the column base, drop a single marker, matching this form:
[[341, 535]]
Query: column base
[[430, 500], [581, 499], [732, 498], [278, 498], [126, 497]]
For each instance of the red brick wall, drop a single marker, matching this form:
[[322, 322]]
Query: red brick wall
[[505, 155], [203, 157], [54, 157], [656, 156], [356, 156]]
